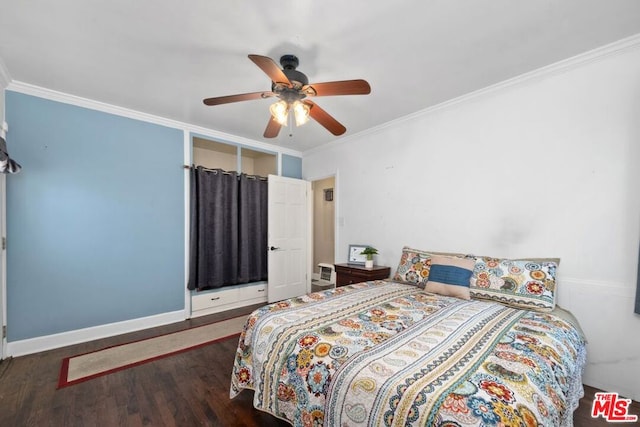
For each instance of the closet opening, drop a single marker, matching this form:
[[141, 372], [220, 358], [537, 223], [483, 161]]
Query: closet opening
[[228, 224]]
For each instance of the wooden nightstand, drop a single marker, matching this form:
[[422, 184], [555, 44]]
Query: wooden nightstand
[[346, 274]]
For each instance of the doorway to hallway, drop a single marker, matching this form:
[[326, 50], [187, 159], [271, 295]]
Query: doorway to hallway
[[323, 222]]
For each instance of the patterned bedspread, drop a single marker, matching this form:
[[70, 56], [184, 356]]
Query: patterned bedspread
[[385, 353]]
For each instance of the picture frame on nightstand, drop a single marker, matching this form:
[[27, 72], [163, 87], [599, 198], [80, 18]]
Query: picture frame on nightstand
[[355, 255]]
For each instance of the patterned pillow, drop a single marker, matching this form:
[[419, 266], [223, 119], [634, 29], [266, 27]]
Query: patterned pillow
[[414, 266], [523, 283], [450, 276]]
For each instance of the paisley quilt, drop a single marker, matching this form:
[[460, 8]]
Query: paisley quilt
[[389, 354]]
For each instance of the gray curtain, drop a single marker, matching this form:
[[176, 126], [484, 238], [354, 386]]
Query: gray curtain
[[228, 229], [252, 229]]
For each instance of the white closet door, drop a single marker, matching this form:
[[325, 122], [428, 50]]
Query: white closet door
[[288, 252]]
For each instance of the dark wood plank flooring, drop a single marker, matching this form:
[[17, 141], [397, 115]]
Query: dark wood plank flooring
[[187, 389]]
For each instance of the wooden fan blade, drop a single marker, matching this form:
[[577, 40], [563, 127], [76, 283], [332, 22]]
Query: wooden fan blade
[[344, 87], [237, 98], [273, 128], [270, 68], [325, 119]]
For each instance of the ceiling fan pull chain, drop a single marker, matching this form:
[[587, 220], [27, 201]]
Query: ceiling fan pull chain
[[290, 118]]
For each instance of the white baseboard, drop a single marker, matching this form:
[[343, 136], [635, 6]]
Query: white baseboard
[[605, 386], [49, 342]]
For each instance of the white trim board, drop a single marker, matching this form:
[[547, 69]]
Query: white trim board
[[49, 342], [240, 141], [586, 379], [188, 153], [607, 288]]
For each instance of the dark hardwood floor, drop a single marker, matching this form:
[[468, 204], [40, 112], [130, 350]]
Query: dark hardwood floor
[[186, 389]]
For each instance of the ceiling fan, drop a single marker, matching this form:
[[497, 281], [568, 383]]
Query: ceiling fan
[[293, 89]]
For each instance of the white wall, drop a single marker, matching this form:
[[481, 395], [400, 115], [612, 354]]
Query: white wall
[[544, 165]]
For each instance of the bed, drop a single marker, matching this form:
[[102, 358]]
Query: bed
[[395, 352]]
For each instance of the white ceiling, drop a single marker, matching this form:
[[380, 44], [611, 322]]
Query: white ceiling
[[164, 57]]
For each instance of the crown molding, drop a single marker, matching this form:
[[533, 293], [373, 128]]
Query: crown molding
[[560, 67], [52, 95]]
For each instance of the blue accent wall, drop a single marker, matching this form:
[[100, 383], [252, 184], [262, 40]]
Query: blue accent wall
[[291, 166], [95, 219]]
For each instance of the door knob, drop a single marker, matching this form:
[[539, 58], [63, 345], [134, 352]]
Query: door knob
[[273, 248]]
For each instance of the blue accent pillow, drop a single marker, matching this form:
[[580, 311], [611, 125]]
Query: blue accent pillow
[[450, 276]]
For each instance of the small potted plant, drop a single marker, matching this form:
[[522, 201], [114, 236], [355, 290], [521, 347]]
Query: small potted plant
[[369, 252]]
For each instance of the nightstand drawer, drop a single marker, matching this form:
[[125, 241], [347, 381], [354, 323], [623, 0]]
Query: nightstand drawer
[[347, 274]]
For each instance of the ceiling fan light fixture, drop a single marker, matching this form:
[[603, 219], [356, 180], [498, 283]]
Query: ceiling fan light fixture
[[280, 112], [292, 87], [301, 112]]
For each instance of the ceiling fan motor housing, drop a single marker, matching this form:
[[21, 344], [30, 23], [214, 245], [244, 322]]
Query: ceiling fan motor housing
[[289, 64]]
